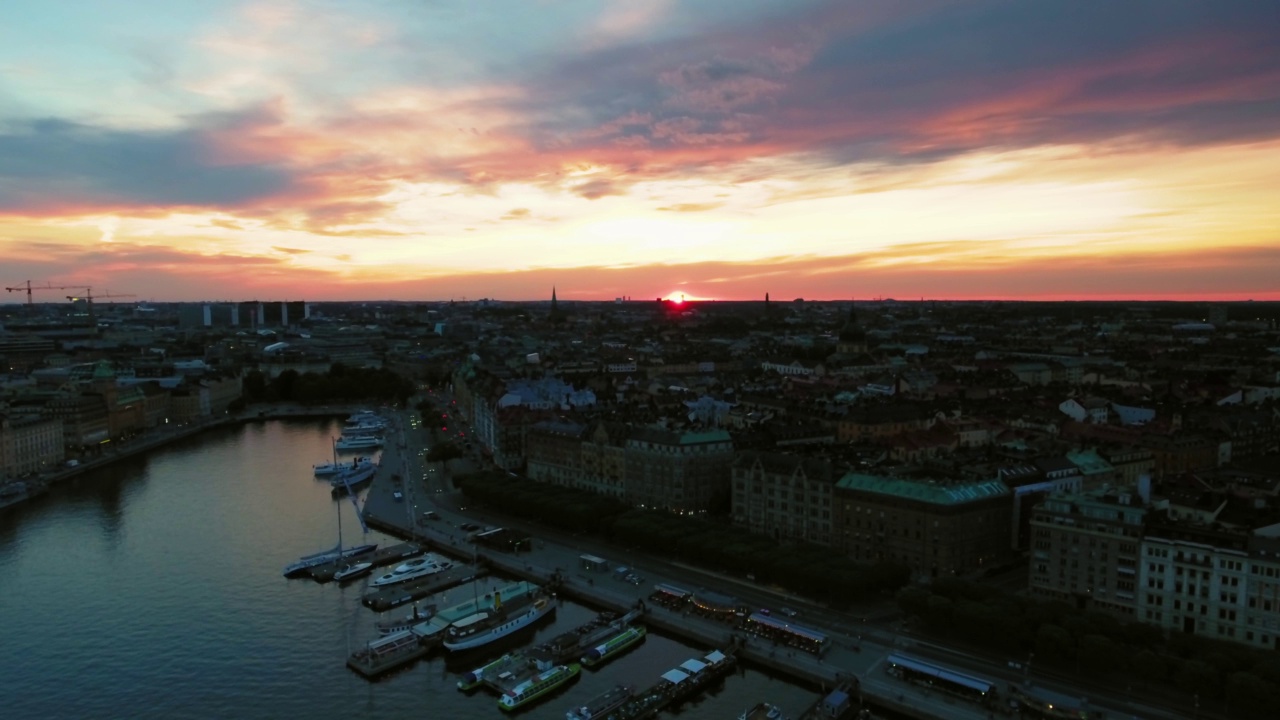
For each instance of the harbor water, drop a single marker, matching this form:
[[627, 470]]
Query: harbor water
[[153, 589]]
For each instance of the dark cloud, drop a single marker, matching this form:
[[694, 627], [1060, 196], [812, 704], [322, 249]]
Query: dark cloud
[[52, 163], [920, 83], [596, 189]]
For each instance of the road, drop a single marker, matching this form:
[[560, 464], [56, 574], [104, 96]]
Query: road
[[860, 642]]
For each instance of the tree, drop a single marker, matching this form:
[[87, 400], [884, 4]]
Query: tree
[[444, 452]]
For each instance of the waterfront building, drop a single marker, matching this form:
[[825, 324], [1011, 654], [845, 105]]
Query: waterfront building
[[1085, 549], [29, 444], [684, 472], [83, 416], [787, 497], [553, 453], [1212, 580], [935, 528]]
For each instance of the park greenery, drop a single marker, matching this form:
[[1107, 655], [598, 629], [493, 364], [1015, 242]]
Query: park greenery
[[801, 568], [1099, 646], [341, 384]]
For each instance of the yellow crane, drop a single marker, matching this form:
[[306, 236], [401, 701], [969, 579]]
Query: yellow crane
[[89, 297]]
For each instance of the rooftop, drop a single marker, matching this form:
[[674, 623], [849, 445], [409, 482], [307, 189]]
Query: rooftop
[[925, 491]]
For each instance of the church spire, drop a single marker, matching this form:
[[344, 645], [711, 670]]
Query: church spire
[[553, 298]]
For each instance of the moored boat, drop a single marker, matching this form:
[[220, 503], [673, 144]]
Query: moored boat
[[417, 617], [538, 686], [499, 621], [309, 561], [363, 442], [762, 711], [601, 705], [614, 646], [355, 570], [428, 564], [504, 664]]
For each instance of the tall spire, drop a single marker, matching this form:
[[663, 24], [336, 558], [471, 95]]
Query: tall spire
[[553, 298]]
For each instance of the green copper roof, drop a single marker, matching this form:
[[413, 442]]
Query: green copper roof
[[923, 491]]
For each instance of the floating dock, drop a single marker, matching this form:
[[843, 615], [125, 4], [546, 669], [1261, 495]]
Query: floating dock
[[385, 598], [385, 556], [677, 685]]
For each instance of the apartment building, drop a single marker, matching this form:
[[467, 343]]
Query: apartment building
[[28, 444], [935, 528], [787, 497], [684, 472], [1085, 549]]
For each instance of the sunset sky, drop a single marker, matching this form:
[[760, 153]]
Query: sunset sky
[[423, 149]]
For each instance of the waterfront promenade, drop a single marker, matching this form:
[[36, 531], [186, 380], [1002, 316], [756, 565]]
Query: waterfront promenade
[[428, 488]]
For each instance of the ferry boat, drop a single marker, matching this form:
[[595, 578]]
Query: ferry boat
[[500, 667], [353, 571], [614, 646], [762, 711], [538, 686], [417, 617], [428, 564], [365, 428], [309, 561], [364, 442], [486, 626], [601, 705]]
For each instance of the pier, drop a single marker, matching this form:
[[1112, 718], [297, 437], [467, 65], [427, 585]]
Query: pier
[[380, 557]]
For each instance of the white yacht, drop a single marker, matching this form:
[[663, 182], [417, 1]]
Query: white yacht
[[353, 571], [428, 564], [364, 442]]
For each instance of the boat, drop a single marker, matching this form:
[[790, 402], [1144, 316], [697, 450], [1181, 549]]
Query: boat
[[538, 686], [614, 646], [502, 666], [601, 705], [428, 564], [353, 571], [762, 711], [354, 475], [501, 620], [338, 553], [327, 469], [370, 428], [364, 442], [417, 617]]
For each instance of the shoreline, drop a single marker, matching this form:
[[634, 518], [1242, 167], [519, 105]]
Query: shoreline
[[40, 485]]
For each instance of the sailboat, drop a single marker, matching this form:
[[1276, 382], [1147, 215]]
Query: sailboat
[[351, 570], [330, 468], [338, 552]]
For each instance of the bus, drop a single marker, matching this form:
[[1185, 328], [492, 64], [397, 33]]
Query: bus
[[789, 634], [502, 539], [964, 686]]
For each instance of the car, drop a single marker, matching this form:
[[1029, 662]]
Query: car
[[788, 612], [468, 527], [399, 496], [430, 515]]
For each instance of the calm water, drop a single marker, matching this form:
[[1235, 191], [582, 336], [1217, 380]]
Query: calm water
[[152, 589]]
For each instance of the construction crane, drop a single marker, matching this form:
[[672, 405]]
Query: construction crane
[[89, 296], [29, 288]]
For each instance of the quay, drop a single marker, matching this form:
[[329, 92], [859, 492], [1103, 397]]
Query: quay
[[380, 557], [391, 596]]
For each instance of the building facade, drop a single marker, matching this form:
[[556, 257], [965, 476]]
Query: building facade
[[29, 444], [683, 472], [936, 529], [1085, 550], [787, 497]]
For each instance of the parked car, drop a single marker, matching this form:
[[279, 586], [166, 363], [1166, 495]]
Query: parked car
[[788, 612], [399, 496], [430, 515]]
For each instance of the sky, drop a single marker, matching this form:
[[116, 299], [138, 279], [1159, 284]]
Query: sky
[[824, 149]]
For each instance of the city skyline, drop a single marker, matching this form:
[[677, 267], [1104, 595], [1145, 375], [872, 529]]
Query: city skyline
[[183, 151]]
